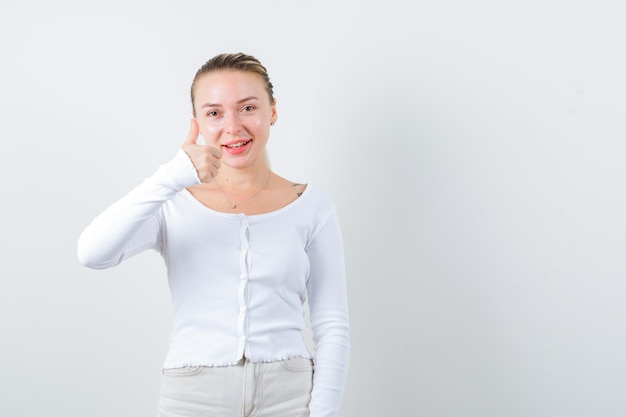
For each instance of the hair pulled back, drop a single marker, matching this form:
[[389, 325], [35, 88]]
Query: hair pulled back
[[236, 62]]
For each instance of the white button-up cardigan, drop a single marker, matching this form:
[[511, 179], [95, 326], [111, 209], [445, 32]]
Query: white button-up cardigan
[[237, 282]]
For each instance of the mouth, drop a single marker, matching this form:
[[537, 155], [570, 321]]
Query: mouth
[[237, 144], [237, 147]]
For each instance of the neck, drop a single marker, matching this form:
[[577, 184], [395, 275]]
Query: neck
[[243, 178]]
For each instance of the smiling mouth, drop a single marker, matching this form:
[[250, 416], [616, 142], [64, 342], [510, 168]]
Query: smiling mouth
[[238, 144]]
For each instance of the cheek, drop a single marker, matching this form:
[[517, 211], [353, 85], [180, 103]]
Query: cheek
[[210, 133], [261, 123]]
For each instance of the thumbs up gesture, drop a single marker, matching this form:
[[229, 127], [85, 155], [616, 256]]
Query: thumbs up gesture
[[206, 159]]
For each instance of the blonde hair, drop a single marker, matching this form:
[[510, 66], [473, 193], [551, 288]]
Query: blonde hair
[[237, 62]]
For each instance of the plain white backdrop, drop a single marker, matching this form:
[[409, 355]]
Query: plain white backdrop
[[475, 151]]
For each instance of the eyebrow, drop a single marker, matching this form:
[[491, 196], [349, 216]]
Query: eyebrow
[[238, 102]]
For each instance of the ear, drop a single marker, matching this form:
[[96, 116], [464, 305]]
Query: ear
[[274, 114]]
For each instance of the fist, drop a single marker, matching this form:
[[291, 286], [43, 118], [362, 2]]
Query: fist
[[206, 159]]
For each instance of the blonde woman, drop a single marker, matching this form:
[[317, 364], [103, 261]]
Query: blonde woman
[[244, 248]]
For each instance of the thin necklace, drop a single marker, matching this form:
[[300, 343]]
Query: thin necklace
[[241, 200]]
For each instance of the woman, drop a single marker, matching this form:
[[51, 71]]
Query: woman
[[244, 248]]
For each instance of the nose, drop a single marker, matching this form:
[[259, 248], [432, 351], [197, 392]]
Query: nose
[[232, 123]]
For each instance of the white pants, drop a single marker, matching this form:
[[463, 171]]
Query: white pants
[[248, 389]]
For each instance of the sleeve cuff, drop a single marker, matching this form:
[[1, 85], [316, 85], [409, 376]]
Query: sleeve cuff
[[179, 173]]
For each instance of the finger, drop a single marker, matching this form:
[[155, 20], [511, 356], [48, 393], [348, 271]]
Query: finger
[[217, 152], [209, 177], [192, 136]]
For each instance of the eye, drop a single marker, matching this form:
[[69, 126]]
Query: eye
[[249, 107], [212, 113]]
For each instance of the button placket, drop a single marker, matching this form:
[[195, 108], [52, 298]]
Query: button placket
[[244, 263]]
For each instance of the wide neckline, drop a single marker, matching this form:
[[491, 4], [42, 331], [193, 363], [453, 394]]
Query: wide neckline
[[280, 210]]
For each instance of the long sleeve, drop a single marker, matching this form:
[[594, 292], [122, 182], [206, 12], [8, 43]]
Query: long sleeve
[[131, 224], [328, 304]]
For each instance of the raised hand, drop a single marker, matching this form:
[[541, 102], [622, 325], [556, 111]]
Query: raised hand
[[206, 159]]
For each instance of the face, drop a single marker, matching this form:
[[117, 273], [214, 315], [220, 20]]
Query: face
[[234, 113]]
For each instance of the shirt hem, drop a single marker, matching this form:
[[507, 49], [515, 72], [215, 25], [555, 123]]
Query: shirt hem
[[225, 364]]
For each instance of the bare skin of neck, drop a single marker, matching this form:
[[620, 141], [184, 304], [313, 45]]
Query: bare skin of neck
[[253, 190]]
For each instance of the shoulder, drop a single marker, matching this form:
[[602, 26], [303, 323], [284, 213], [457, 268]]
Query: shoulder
[[283, 183], [318, 194], [318, 202]]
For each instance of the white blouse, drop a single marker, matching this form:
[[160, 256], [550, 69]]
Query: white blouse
[[237, 282]]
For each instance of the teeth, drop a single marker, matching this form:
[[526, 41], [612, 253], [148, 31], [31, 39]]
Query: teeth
[[238, 145]]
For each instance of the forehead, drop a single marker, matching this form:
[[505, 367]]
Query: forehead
[[228, 85]]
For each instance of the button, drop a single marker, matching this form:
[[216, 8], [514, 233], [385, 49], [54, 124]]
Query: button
[[243, 277], [243, 309]]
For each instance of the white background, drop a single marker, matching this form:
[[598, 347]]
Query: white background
[[475, 151]]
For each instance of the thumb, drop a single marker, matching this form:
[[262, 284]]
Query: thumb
[[192, 136]]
